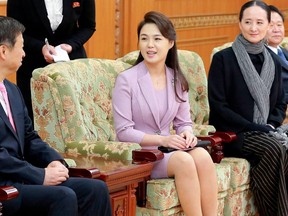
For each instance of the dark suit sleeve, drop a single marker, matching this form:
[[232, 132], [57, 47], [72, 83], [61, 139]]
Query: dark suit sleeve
[[86, 24], [24, 156], [278, 108]]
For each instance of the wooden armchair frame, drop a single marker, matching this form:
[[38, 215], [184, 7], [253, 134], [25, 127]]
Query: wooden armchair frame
[[7, 193]]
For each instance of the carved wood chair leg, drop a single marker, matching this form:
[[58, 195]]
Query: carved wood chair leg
[[141, 194], [217, 153]]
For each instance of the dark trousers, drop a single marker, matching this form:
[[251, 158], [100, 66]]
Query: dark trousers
[[268, 174], [76, 196]]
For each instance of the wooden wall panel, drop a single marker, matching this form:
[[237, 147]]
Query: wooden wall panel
[[102, 43]]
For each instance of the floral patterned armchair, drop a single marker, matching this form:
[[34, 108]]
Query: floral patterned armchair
[[73, 113], [72, 107]]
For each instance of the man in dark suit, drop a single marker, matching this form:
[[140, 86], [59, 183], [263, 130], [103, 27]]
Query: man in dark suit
[[29, 164], [69, 23], [275, 37]]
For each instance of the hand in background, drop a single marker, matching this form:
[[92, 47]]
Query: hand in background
[[66, 47], [47, 52], [55, 173]]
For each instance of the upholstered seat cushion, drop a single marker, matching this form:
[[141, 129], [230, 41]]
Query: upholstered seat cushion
[[239, 201], [239, 171], [239, 198], [175, 211], [161, 194], [105, 149]]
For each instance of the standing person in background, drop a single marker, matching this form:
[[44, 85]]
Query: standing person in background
[[63, 22], [151, 96], [275, 36], [246, 96]]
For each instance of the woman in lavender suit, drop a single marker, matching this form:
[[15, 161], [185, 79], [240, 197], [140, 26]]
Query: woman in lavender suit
[[147, 99]]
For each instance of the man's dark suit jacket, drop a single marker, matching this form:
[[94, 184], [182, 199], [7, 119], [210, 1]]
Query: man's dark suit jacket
[[285, 73], [77, 26], [23, 154]]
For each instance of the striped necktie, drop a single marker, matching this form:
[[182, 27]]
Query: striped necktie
[[5, 96]]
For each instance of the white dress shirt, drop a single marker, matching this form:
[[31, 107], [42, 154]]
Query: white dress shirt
[[54, 9]]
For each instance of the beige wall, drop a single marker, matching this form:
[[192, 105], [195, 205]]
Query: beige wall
[[201, 25]]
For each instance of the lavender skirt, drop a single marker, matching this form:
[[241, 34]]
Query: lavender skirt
[[160, 167]]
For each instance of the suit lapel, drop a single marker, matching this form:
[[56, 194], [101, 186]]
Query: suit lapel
[[4, 117], [19, 133], [146, 87], [170, 96], [67, 14], [42, 12]]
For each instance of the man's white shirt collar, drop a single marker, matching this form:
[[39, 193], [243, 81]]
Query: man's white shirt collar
[[275, 50]]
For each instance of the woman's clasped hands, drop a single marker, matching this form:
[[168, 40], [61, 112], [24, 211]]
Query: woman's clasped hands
[[185, 139]]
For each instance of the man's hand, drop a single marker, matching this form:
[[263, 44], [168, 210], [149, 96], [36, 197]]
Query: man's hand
[[55, 173]]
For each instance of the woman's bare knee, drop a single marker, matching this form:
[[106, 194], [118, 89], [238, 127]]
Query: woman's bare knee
[[181, 162]]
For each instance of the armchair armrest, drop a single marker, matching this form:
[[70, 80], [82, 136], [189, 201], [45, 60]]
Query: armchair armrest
[[8, 192], [146, 155], [84, 172], [104, 149], [217, 139], [225, 136]]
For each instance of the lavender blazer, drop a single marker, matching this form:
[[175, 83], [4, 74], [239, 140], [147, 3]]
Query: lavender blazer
[[135, 107]]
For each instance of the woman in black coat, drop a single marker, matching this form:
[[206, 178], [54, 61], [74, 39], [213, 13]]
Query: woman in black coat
[[246, 97], [68, 22]]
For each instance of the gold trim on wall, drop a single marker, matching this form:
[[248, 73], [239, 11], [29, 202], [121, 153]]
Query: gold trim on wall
[[204, 21], [208, 20]]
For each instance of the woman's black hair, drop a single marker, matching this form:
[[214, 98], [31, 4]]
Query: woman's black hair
[[276, 10], [261, 4], [167, 29]]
